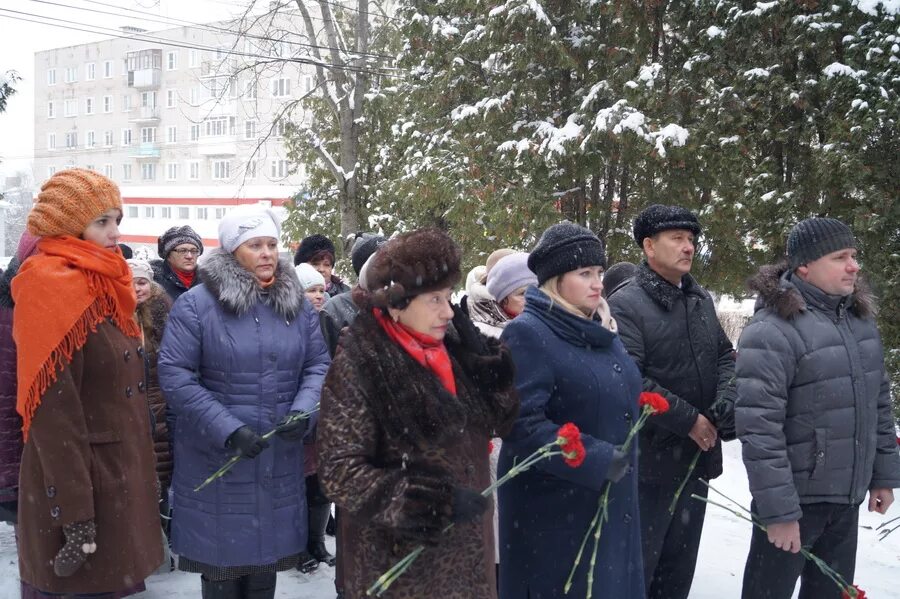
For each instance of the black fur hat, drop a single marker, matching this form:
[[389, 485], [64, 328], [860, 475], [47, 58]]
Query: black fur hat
[[312, 245], [411, 264], [657, 218]]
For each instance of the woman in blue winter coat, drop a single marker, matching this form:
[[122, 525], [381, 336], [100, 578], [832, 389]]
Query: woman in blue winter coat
[[241, 353], [570, 367]]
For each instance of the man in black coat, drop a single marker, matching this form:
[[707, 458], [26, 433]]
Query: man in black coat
[[179, 248], [668, 324]]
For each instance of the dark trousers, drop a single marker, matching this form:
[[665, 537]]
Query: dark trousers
[[670, 542], [829, 531], [251, 586]]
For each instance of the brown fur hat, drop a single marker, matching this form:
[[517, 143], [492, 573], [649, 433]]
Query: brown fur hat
[[411, 264]]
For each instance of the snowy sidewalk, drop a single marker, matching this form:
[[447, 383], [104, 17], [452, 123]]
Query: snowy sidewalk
[[719, 570]]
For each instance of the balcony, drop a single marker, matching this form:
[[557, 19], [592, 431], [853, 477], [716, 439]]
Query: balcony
[[145, 151], [145, 114], [144, 69], [220, 67], [223, 145]]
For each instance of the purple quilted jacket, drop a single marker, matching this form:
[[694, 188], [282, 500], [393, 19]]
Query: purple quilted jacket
[[10, 423]]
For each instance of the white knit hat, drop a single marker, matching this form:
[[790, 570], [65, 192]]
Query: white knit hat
[[308, 275], [140, 269], [508, 274], [247, 222]]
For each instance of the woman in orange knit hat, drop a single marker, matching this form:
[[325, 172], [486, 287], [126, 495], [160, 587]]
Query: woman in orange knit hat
[[88, 518]]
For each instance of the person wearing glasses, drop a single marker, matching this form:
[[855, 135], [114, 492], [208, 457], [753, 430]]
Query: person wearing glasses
[[178, 248]]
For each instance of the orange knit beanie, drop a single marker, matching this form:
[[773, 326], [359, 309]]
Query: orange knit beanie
[[70, 200]]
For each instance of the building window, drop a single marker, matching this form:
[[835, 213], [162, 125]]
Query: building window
[[51, 170], [51, 141], [107, 104], [221, 169], [281, 87], [171, 171], [70, 107], [71, 74], [193, 173], [108, 138], [250, 89], [71, 139], [51, 78], [126, 137], [250, 172], [149, 211], [90, 71], [132, 211], [202, 213], [89, 167], [171, 98], [220, 213], [307, 81], [184, 212], [165, 212], [50, 112], [171, 134], [278, 128], [107, 171], [280, 169], [195, 96], [107, 69], [172, 60], [195, 132], [88, 106], [148, 135], [126, 103], [148, 99], [193, 58], [219, 126], [89, 139], [148, 171], [126, 172], [250, 130]]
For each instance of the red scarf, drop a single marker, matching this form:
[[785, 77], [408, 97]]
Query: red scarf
[[186, 278], [427, 351], [62, 293]]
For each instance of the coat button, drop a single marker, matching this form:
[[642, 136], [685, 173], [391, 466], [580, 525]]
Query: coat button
[[821, 454], [54, 512], [51, 491], [141, 386], [127, 355], [140, 350], [629, 470], [128, 391], [627, 416], [617, 367], [627, 518]]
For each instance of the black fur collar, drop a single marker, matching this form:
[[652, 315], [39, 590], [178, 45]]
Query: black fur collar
[[237, 289], [781, 295], [6, 299], [663, 292]]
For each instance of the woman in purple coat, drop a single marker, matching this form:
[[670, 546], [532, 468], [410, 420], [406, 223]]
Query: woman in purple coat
[[241, 352]]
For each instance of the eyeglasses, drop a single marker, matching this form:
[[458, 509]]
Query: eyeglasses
[[187, 252]]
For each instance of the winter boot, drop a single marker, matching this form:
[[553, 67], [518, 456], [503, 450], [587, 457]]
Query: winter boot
[[220, 589], [331, 527], [307, 563], [318, 519]]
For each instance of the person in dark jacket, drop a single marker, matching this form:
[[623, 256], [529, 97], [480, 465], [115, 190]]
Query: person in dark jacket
[[413, 396], [616, 276], [10, 421], [339, 310], [570, 367], [669, 326], [319, 251], [813, 414], [179, 249], [241, 354]]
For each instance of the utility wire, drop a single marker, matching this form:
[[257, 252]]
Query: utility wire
[[79, 26]]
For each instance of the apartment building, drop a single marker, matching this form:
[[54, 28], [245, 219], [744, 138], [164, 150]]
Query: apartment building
[[185, 120]]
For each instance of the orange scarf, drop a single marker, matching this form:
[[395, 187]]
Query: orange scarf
[[426, 350], [62, 293]]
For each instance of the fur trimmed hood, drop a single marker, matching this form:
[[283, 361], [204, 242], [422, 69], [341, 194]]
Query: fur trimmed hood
[[776, 291], [237, 289], [152, 316]]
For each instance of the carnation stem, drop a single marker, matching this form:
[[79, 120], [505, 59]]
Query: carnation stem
[[684, 483]]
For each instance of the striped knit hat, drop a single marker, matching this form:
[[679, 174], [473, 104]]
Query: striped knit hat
[[70, 200]]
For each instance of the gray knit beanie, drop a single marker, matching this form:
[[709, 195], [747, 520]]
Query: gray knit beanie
[[508, 274], [813, 238]]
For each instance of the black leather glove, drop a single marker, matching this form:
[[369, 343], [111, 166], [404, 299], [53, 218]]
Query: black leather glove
[[722, 417], [425, 508], [618, 466], [469, 335], [247, 443], [293, 430], [467, 505], [79, 544]]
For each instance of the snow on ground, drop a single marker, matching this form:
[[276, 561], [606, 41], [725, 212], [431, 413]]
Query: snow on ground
[[719, 570]]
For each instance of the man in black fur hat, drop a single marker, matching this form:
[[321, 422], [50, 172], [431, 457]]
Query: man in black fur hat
[[668, 324], [813, 414]]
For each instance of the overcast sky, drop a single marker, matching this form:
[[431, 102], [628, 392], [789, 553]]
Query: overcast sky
[[19, 40]]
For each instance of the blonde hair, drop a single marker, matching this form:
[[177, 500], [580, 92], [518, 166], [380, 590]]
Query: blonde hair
[[551, 288]]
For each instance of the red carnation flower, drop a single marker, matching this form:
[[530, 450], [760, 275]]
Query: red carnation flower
[[490, 447], [569, 439], [658, 403], [857, 593]]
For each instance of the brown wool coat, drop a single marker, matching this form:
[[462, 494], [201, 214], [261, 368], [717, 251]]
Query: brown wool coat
[[381, 409], [89, 456]]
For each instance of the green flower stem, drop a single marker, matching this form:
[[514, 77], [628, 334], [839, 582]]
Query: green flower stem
[[886, 531], [384, 582], [684, 483], [234, 460]]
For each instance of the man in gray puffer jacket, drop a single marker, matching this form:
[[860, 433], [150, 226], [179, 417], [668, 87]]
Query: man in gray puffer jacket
[[813, 413]]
